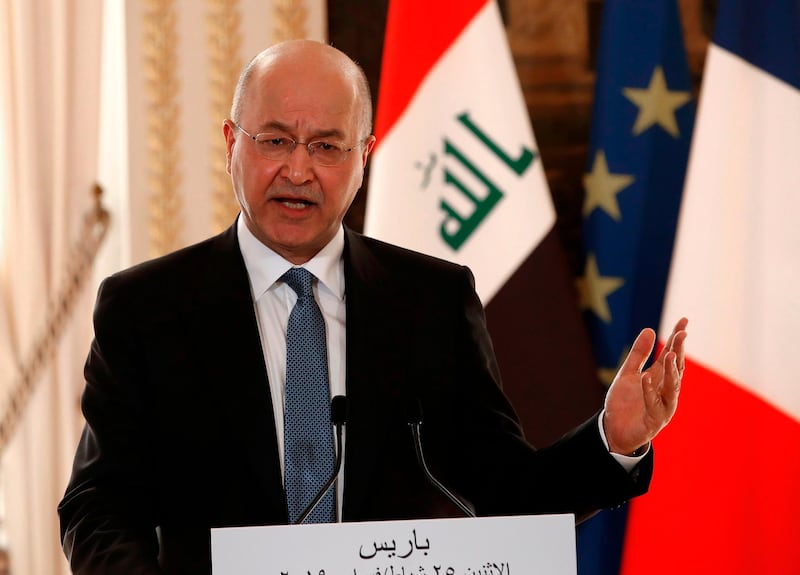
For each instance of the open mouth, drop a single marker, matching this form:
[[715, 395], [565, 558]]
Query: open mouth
[[295, 204]]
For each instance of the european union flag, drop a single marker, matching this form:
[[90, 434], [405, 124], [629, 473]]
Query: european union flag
[[642, 123]]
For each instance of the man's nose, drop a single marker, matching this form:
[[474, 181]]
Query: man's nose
[[298, 166]]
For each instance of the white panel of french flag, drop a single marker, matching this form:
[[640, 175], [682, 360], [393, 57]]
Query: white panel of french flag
[[725, 497]]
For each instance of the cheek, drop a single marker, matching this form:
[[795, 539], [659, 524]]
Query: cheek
[[252, 180], [350, 186], [346, 195], [237, 178]]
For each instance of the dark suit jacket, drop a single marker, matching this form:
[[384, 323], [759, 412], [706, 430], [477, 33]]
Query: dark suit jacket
[[180, 436]]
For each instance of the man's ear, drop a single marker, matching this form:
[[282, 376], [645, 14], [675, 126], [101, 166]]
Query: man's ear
[[369, 143], [229, 131]]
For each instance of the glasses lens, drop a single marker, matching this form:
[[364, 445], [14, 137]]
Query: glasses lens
[[326, 154], [274, 147]]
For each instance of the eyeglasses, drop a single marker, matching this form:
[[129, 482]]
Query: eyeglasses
[[275, 147]]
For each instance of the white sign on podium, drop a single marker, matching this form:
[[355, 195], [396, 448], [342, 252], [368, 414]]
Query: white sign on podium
[[540, 544]]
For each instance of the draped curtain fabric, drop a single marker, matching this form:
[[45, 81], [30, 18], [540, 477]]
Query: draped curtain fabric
[[49, 70], [131, 95]]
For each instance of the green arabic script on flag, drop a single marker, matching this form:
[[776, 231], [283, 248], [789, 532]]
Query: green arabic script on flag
[[457, 227]]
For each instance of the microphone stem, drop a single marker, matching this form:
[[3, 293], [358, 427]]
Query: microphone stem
[[329, 483], [436, 483]]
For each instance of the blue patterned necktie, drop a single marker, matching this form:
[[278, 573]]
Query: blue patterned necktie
[[308, 435]]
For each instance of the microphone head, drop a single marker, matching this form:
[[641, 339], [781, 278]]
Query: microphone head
[[339, 410], [413, 411]]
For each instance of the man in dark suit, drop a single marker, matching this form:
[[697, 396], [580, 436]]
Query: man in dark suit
[[185, 377]]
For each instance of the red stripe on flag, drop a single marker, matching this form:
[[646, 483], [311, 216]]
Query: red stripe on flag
[[725, 495], [417, 34]]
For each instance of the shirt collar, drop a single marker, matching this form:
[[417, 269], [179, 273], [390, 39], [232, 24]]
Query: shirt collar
[[265, 267]]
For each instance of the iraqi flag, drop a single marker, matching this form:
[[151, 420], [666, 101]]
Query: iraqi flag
[[726, 494], [456, 174]]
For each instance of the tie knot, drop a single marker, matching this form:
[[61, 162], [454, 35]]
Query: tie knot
[[299, 279]]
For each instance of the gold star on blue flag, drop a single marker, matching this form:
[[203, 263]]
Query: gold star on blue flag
[[642, 122]]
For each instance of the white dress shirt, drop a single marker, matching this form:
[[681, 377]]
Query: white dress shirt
[[274, 301]]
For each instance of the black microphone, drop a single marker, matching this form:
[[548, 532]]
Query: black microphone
[[338, 418], [414, 418]]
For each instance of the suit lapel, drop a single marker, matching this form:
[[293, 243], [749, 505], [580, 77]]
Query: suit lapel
[[228, 342], [371, 386]]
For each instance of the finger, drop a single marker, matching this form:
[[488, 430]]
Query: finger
[[649, 391], [670, 388], [675, 339], [666, 348], [671, 371], [652, 402], [676, 344], [679, 348], [680, 328], [640, 351]]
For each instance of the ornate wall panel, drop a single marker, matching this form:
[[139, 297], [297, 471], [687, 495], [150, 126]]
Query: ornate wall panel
[[161, 86], [223, 19], [183, 58]]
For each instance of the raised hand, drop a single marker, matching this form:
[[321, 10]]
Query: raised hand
[[639, 403]]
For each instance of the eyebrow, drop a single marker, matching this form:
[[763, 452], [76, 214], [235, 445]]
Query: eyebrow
[[281, 127]]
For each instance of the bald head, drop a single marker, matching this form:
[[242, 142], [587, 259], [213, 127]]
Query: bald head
[[301, 56]]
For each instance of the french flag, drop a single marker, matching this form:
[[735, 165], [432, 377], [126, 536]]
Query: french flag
[[725, 497]]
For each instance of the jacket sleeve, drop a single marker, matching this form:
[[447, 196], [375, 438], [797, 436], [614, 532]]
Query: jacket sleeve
[[487, 457], [107, 514]]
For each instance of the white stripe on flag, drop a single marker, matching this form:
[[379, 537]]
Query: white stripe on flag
[[476, 76], [736, 267]]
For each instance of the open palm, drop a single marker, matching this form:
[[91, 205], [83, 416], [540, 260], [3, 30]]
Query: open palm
[[640, 403]]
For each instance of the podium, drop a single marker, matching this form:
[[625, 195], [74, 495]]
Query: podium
[[541, 544]]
